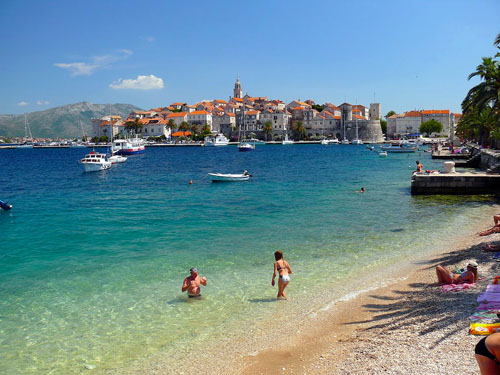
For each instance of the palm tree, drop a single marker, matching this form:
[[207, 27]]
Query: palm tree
[[184, 126], [205, 130], [171, 125], [134, 125], [298, 130], [487, 92], [268, 129], [479, 124]]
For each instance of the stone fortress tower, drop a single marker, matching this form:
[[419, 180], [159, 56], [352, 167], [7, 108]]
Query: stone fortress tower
[[368, 130], [238, 92]]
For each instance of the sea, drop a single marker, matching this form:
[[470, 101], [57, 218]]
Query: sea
[[91, 264]]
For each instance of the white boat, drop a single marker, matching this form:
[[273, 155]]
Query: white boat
[[398, 149], [226, 177], [254, 141], [325, 142], [129, 146], [382, 154], [286, 141], [218, 140], [117, 159], [95, 161], [345, 142], [244, 146]]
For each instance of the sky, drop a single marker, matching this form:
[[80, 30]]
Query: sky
[[403, 54]]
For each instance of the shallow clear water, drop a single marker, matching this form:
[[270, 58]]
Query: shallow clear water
[[91, 264]]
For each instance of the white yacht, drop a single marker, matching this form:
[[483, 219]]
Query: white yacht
[[345, 142], [357, 142], [287, 141], [95, 161], [129, 146], [217, 140]]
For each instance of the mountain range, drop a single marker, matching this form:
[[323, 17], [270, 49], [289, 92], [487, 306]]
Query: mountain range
[[63, 121]]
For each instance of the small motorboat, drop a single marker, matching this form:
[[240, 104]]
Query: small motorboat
[[5, 205], [227, 177], [382, 154], [244, 146], [95, 161], [116, 158]]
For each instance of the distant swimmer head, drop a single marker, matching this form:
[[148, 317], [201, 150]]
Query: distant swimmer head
[[193, 270]]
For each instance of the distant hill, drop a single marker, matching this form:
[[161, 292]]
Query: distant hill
[[63, 122]]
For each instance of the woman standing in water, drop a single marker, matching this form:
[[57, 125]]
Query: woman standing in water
[[281, 268]]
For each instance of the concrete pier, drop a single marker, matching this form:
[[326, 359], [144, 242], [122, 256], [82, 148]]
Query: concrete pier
[[462, 183]]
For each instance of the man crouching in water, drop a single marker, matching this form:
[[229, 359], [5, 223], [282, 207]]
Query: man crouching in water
[[192, 283]]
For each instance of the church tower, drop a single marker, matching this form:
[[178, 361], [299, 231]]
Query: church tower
[[238, 92]]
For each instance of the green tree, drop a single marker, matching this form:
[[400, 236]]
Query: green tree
[[298, 131], [383, 125], [268, 129], [195, 129], [205, 131], [318, 107], [184, 126], [133, 125], [171, 125], [389, 114], [480, 125], [431, 126]]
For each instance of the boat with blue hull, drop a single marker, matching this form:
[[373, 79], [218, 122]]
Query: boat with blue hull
[[5, 205], [129, 146]]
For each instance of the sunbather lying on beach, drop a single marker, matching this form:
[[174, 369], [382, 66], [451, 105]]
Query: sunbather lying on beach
[[487, 232], [447, 277], [488, 354], [493, 229], [491, 248]]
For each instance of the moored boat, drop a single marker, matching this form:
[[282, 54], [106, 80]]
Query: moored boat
[[244, 146], [129, 146], [228, 177], [286, 141], [399, 149], [217, 140], [95, 161]]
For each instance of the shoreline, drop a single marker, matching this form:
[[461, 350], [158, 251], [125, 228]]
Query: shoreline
[[354, 333]]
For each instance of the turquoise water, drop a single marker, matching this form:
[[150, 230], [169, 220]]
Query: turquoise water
[[91, 265]]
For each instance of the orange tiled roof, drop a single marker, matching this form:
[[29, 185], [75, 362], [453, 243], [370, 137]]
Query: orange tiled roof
[[298, 108], [358, 106], [198, 113], [181, 134], [356, 109], [230, 114], [336, 117], [178, 114], [458, 114], [252, 112], [177, 103], [220, 101], [412, 114], [237, 99], [436, 112], [358, 117]]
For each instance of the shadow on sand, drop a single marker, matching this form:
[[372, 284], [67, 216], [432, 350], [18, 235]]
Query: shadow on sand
[[425, 304]]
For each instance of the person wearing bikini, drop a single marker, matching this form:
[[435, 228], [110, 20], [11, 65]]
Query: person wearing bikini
[[283, 270]]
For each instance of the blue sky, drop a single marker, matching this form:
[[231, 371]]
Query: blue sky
[[407, 54]]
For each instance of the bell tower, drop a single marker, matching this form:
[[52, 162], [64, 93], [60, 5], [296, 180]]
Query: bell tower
[[238, 92]]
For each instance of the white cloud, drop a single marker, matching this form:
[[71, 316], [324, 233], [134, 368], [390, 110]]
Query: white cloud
[[22, 103], [78, 69], [42, 102], [150, 82], [149, 39], [96, 62]]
